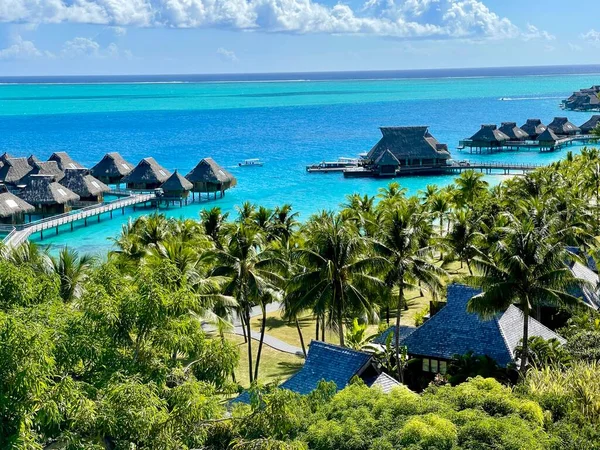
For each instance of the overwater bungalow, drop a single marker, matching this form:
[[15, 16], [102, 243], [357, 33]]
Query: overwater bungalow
[[4, 157], [513, 131], [488, 136], [177, 187], [147, 175], [209, 177], [14, 170], [64, 161], [44, 168], [111, 169], [47, 196], [88, 188], [31, 159], [533, 128], [584, 100], [591, 124], [547, 139], [562, 127], [12, 208]]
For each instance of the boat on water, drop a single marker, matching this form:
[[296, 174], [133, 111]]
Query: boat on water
[[253, 162], [333, 166]]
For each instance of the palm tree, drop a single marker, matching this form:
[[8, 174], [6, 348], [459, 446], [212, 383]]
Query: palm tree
[[72, 271], [29, 253], [284, 223], [462, 238], [263, 219], [245, 212], [403, 244], [214, 221], [470, 186], [439, 206], [527, 267]]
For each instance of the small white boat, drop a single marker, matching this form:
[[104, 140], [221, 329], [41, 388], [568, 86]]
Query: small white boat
[[254, 162]]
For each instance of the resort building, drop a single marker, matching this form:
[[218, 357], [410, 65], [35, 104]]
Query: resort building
[[43, 168], [547, 139], [562, 127], [111, 169], [406, 149], [591, 125], [32, 159], [14, 170], [47, 196], [488, 136], [4, 157], [513, 132], [64, 161], [209, 177], [88, 188], [584, 100], [533, 128], [12, 208], [176, 186], [147, 175]]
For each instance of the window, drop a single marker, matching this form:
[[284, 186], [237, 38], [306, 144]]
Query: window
[[443, 367], [434, 366], [425, 365]]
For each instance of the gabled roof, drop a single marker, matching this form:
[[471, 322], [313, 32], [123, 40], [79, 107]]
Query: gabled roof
[[387, 159], [489, 133], [32, 159], [590, 124], [44, 168], [454, 331], [548, 136], [513, 131], [14, 170], [384, 382], [589, 294], [330, 363], [147, 171], [561, 125], [111, 165], [64, 161], [10, 204], [533, 127], [405, 331], [83, 184], [208, 171], [4, 157], [177, 183], [42, 190], [408, 143]]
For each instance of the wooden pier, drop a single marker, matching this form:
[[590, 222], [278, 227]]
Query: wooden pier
[[492, 167], [527, 145]]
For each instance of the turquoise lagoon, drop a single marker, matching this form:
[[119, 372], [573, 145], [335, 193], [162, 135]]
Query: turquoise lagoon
[[286, 124]]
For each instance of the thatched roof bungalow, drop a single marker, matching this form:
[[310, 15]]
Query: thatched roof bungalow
[[31, 159], [562, 127], [14, 170], [590, 125], [513, 131], [64, 161], [488, 136], [177, 186], [87, 187], [208, 176], [584, 100], [47, 196], [148, 174], [408, 147], [4, 157], [111, 169], [533, 127], [548, 138], [12, 208], [44, 168]]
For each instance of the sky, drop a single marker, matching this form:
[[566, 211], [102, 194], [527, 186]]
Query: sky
[[103, 37]]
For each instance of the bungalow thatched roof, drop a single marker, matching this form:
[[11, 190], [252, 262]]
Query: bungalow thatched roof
[[14, 170], [408, 143], [594, 122], [41, 190], [147, 171], [44, 168], [489, 133], [513, 131], [387, 158], [65, 161], [208, 171], [10, 204], [548, 136], [533, 127], [83, 184], [4, 157], [32, 159], [111, 165], [176, 183], [561, 125]]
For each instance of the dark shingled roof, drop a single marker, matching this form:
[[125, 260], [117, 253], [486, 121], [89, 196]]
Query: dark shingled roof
[[562, 126], [454, 331], [176, 183], [42, 190], [32, 159], [147, 171], [489, 133], [589, 295], [44, 168], [513, 131], [208, 171], [384, 382], [10, 204], [64, 161], [548, 136], [4, 157], [533, 127], [405, 331], [387, 159], [408, 143], [14, 170], [587, 127], [112, 165], [83, 184]]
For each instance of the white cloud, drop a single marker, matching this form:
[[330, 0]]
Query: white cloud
[[119, 31], [575, 47], [533, 32], [228, 55], [21, 49], [592, 36], [392, 18], [82, 47]]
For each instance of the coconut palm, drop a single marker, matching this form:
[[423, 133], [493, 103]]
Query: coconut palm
[[29, 253], [284, 223], [463, 237], [471, 185], [214, 221], [72, 270], [245, 212]]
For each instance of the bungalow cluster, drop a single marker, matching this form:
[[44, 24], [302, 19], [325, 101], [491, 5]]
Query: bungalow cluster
[[583, 100]]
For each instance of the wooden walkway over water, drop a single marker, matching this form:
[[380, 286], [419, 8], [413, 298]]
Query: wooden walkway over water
[[526, 145], [492, 167]]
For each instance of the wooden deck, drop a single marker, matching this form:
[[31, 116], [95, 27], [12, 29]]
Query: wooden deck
[[527, 145]]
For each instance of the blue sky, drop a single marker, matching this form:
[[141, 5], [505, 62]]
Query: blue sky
[[56, 37]]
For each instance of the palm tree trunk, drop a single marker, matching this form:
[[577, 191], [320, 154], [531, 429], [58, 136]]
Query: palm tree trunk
[[524, 358], [397, 333], [301, 337], [323, 327], [243, 322], [249, 342], [340, 313], [387, 315], [262, 337], [317, 332], [469, 267]]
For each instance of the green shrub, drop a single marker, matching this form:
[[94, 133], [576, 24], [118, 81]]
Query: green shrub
[[429, 431]]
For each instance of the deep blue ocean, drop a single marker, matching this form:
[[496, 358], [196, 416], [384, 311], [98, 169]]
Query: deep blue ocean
[[179, 119]]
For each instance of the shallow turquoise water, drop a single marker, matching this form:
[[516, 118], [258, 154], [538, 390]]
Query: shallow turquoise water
[[286, 124]]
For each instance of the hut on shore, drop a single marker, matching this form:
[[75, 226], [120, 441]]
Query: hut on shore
[[488, 136], [562, 127], [14, 170], [513, 131], [87, 187], [407, 148], [533, 128], [547, 139], [44, 168], [590, 125], [47, 196], [12, 208], [177, 186], [111, 169], [147, 175], [64, 161], [209, 177]]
